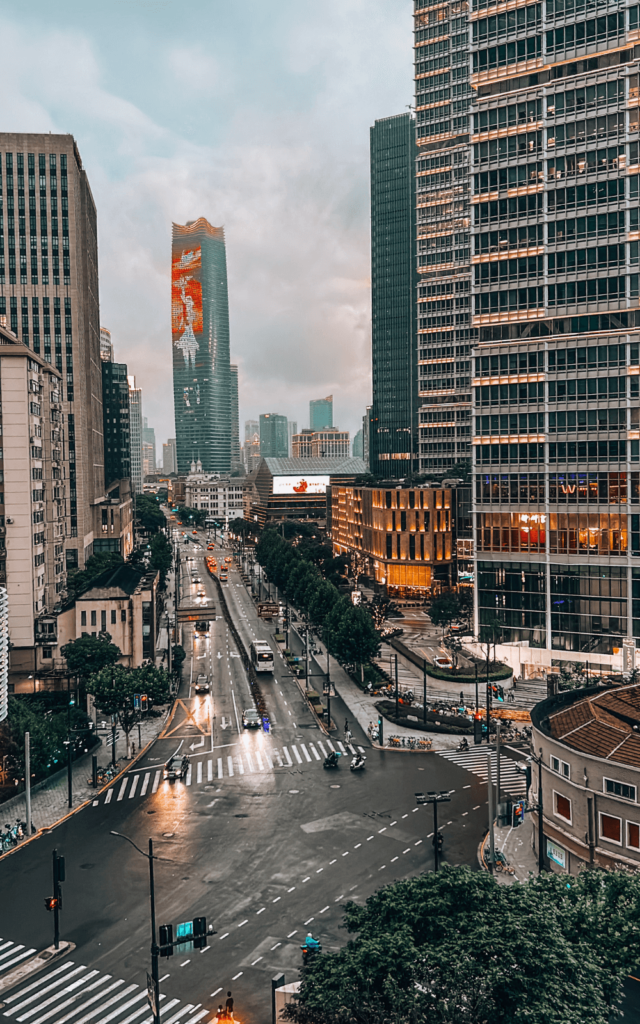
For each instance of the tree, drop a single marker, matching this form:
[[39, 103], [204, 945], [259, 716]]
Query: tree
[[490, 634], [161, 556], [191, 516], [48, 730], [444, 610], [149, 515], [380, 608], [80, 580], [178, 655], [455, 947], [323, 600], [352, 637], [89, 654], [113, 692]]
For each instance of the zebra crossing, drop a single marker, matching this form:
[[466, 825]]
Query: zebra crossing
[[229, 766], [72, 993], [475, 760]]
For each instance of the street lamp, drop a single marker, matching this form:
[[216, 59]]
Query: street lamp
[[444, 796], [153, 982]]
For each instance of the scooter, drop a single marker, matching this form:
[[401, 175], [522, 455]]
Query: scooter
[[310, 951], [463, 745], [357, 762], [333, 760]]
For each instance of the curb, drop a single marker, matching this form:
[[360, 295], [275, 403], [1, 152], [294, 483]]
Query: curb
[[33, 965]]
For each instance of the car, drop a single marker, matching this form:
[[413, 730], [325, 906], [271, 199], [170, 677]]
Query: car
[[194, 531], [201, 628], [210, 547], [202, 684], [251, 719], [176, 767], [228, 560], [443, 662], [202, 593]]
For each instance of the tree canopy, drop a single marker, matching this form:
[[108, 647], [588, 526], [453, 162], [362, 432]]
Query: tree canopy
[[89, 654], [161, 556], [113, 691], [80, 580], [444, 610], [149, 515], [455, 947]]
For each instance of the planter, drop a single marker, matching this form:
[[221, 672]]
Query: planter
[[502, 675], [413, 719]]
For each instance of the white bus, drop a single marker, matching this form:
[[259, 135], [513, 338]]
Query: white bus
[[261, 656]]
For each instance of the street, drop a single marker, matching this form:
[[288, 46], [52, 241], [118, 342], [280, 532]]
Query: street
[[258, 838]]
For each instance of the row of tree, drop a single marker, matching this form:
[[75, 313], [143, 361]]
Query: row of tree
[[348, 630]]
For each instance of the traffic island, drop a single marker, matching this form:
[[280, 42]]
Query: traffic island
[[414, 718]]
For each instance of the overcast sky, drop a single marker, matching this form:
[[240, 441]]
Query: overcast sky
[[253, 115]]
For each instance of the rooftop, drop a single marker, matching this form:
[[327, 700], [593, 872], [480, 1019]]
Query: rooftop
[[327, 467], [604, 723]]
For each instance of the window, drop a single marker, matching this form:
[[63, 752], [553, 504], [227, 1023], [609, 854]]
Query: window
[[83, 618], [113, 616], [561, 767], [633, 835], [562, 806], [93, 619], [619, 789], [123, 615], [611, 828]]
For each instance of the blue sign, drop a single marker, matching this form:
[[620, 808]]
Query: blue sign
[[518, 812], [265, 724]]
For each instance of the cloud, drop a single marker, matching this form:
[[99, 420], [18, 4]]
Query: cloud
[[256, 120]]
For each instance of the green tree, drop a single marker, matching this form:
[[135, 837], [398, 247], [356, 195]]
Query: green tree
[[455, 947], [149, 515], [178, 655], [444, 610], [113, 691], [161, 557], [191, 517], [80, 580], [89, 654], [322, 601], [352, 637], [48, 730]]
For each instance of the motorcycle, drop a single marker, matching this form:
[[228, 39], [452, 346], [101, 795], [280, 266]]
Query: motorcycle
[[463, 745], [309, 951], [357, 762], [333, 760]]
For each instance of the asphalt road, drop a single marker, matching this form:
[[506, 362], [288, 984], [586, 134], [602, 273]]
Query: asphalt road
[[259, 839]]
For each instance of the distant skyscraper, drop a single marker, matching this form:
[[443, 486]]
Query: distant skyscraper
[[106, 346], [169, 459], [115, 400], [394, 437], [149, 438], [321, 413], [135, 434], [251, 427], [292, 428], [274, 436], [200, 333], [236, 457], [358, 445]]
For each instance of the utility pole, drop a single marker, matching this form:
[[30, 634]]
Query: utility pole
[[27, 778], [498, 724], [424, 692], [56, 903], [540, 824], [153, 981], [306, 637], [328, 693], [396, 670], [444, 796], [491, 815]]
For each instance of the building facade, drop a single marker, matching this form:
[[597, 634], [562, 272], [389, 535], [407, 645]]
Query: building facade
[[274, 436], [106, 345], [555, 293], [251, 453], [444, 332], [221, 497], [292, 428], [321, 444], [49, 295], [135, 435], [169, 457], [321, 413], [406, 536], [236, 455], [115, 405], [4, 653], [286, 488], [148, 447], [394, 414], [200, 330], [358, 445]]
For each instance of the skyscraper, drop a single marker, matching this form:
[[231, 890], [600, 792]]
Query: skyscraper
[[394, 427], [169, 461], [321, 413], [236, 457], [445, 336], [200, 332], [149, 438], [135, 435], [117, 444], [292, 428], [106, 346], [274, 436], [555, 292], [49, 293], [358, 444], [251, 427]]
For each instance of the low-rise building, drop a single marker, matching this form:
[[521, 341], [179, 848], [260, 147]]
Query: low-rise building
[[330, 443], [296, 488], [220, 496], [113, 526], [406, 535], [589, 746]]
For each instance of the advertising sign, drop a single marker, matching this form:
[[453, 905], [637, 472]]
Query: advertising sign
[[186, 303], [300, 484], [556, 854]]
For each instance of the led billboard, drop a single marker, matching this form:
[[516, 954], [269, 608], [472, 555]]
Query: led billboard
[[300, 484], [186, 301]]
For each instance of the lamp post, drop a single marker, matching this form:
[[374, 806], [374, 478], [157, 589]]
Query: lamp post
[[154, 989], [444, 796]]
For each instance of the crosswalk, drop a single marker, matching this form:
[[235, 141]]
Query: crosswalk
[[475, 760], [72, 993], [203, 771]]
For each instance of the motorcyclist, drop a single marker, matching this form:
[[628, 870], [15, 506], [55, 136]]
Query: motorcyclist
[[312, 945], [464, 744]]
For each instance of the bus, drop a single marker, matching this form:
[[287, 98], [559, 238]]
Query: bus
[[261, 656]]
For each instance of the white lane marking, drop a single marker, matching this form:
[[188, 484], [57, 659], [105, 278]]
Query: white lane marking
[[156, 782], [297, 755], [279, 759], [209, 772], [321, 748], [199, 772], [48, 988], [109, 797], [261, 911], [330, 744], [145, 784], [189, 775], [288, 756], [259, 760], [220, 772], [314, 752], [341, 745], [122, 788], [352, 749], [305, 751], [134, 786], [105, 1006], [249, 761], [268, 759], [240, 764]]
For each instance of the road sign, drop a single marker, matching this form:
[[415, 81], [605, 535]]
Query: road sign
[[152, 995]]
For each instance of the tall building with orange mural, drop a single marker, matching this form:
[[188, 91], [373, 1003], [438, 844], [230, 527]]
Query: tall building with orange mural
[[202, 385]]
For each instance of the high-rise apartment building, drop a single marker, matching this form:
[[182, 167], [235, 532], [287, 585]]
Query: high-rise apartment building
[[274, 436], [49, 295], [135, 435], [200, 331], [115, 403], [149, 440], [236, 455], [321, 413], [106, 346], [394, 416], [555, 292], [169, 459], [445, 335]]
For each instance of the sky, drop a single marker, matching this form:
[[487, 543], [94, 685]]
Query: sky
[[255, 116]]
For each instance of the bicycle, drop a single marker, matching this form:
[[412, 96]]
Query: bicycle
[[394, 741]]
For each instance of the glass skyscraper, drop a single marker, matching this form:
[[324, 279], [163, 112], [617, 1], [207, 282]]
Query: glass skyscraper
[[274, 436], [321, 413], [200, 334], [393, 426], [555, 292]]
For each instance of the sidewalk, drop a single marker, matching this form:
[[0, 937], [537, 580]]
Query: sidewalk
[[515, 844]]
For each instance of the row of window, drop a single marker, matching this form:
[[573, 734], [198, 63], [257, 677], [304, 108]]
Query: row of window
[[598, 533], [587, 488], [574, 420], [498, 26], [574, 260], [587, 98], [94, 617], [576, 133], [611, 828], [568, 293], [579, 390]]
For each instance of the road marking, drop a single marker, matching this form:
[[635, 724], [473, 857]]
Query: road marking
[[253, 964], [220, 771], [324, 909], [393, 859], [408, 850], [464, 814], [261, 911], [297, 755], [246, 921], [108, 798], [134, 785], [314, 752], [476, 808], [276, 899], [268, 759], [305, 752], [226, 934], [199, 772], [230, 764], [291, 889], [122, 788], [332, 862], [370, 838], [238, 975], [307, 878], [259, 760], [346, 853], [419, 841], [309, 921], [287, 755], [156, 782], [392, 823], [291, 934], [185, 963], [341, 747], [415, 809], [405, 815], [209, 772], [319, 870], [321, 748], [341, 897], [145, 784], [382, 867], [240, 765], [466, 787], [382, 830], [249, 761]]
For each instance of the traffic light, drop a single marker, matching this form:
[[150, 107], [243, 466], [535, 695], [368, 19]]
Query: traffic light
[[72, 698], [199, 932], [144, 702], [166, 940], [52, 903], [136, 701], [501, 693], [518, 812]]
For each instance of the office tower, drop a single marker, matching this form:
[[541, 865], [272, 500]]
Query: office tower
[[236, 456], [358, 445], [366, 435], [4, 653], [169, 461], [321, 413], [200, 332], [149, 439], [292, 428], [274, 436], [49, 294], [33, 498], [251, 453], [445, 336], [321, 444], [135, 435], [555, 291], [106, 346], [115, 403], [394, 435], [251, 427]]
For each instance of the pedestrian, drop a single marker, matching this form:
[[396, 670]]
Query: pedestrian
[[229, 1006], [346, 726], [347, 737], [462, 696], [370, 728], [220, 1014]]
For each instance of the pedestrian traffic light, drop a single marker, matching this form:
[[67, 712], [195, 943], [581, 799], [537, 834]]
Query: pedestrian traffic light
[[144, 702], [501, 693], [518, 813], [136, 701], [199, 932], [166, 940], [52, 903], [72, 697]]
